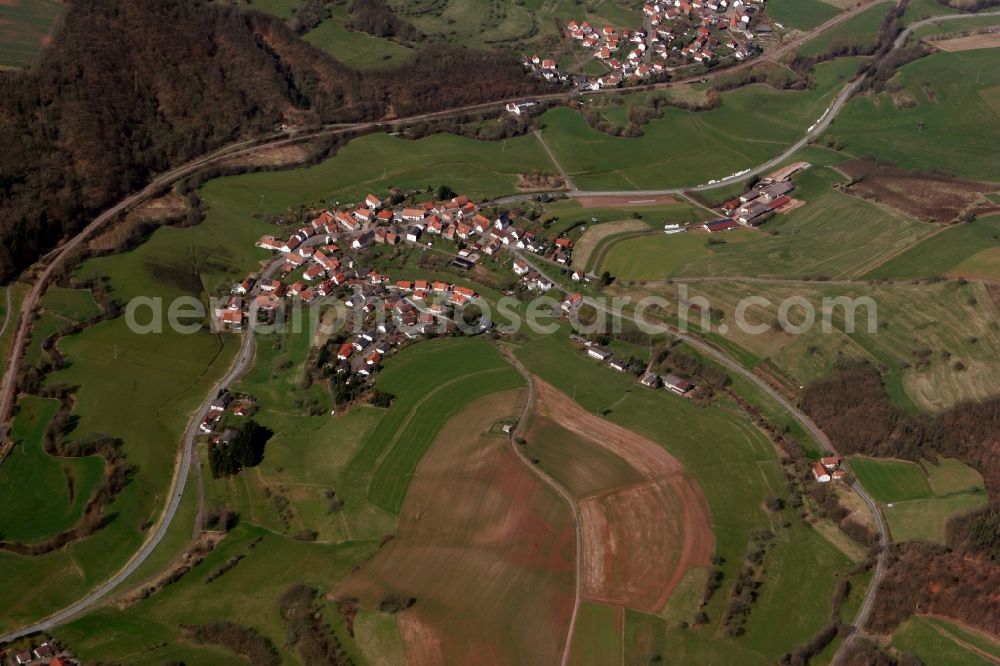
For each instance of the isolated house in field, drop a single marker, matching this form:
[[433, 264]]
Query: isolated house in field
[[678, 385], [600, 353], [618, 364], [820, 473]]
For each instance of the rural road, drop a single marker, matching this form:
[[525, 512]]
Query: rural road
[[58, 256], [240, 365]]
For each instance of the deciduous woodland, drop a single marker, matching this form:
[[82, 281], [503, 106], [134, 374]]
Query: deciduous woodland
[[132, 87], [962, 579]]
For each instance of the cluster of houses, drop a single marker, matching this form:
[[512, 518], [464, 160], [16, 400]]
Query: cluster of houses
[[772, 194], [720, 26], [327, 255], [399, 313], [673, 383], [675, 33], [232, 403], [318, 254], [828, 469], [44, 653]]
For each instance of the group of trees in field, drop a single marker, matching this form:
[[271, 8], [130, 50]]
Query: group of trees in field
[[244, 641], [376, 18], [306, 629], [246, 449], [131, 88]]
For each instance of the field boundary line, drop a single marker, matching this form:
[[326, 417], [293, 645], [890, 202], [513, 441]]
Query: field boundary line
[[559, 489], [417, 405]]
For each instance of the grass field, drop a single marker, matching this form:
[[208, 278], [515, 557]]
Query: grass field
[[659, 257], [156, 381], [954, 113], [955, 25], [148, 632], [374, 163], [859, 30], [918, 10], [834, 235], [569, 214], [25, 28], [597, 638], [356, 49], [922, 497], [936, 326], [76, 304], [891, 480], [431, 381], [42, 495], [801, 14], [511, 25], [687, 148], [965, 249], [934, 645]]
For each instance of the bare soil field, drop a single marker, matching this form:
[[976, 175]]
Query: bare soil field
[[153, 211], [273, 156], [638, 537], [988, 40], [485, 548], [626, 201], [925, 196]]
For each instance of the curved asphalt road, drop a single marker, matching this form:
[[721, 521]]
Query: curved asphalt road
[[247, 350]]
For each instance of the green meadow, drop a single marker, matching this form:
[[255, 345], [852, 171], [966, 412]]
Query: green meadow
[[141, 388], [956, 111], [25, 26], [42, 495], [933, 643], [938, 342], [149, 631], [376, 162], [860, 30], [685, 148], [660, 256], [356, 49], [597, 637], [801, 14], [919, 499], [955, 251]]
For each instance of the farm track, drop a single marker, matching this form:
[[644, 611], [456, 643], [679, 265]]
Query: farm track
[[6, 318], [58, 256], [561, 491], [735, 366]]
